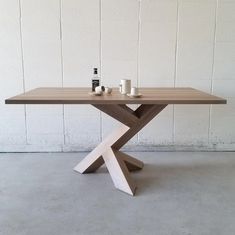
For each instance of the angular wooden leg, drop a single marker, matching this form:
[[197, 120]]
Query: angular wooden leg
[[94, 159], [118, 171], [118, 163], [132, 164], [89, 164]]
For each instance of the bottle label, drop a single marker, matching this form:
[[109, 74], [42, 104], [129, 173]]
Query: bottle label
[[95, 83]]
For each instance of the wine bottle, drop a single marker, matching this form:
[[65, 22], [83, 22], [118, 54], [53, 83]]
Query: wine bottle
[[95, 79]]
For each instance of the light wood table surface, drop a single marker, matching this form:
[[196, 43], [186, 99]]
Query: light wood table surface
[[153, 101]]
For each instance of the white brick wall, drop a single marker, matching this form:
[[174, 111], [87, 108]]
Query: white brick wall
[[152, 42]]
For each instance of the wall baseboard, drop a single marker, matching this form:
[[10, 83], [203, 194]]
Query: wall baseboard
[[131, 148]]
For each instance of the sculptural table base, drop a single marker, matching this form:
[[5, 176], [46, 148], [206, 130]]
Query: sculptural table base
[[119, 164]]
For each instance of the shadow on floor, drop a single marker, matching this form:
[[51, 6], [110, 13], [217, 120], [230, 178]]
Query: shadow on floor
[[155, 177], [182, 174]]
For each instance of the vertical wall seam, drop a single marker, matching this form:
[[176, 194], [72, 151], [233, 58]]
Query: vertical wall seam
[[62, 69], [213, 66], [23, 68], [176, 63], [100, 62], [138, 51], [138, 44]]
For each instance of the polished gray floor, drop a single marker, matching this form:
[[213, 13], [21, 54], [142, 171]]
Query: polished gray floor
[[178, 194]]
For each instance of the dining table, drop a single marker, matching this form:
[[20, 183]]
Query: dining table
[[153, 101]]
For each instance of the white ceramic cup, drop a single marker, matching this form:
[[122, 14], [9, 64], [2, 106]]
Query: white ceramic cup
[[99, 89], [134, 91], [108, 90], [125, 86]]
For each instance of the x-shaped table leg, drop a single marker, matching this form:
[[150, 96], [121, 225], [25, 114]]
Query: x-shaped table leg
[[118, 163]]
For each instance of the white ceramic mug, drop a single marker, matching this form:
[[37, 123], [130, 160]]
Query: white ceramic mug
[[134, 91], [99, 89], [108, 90], [125, 86]]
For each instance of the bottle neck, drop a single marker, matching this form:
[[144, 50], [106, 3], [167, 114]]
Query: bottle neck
[[95, 71], [95, 76]]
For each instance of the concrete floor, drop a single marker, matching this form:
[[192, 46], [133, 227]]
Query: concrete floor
[[178, 194]]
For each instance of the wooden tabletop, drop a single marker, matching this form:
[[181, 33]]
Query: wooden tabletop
[[50, 95]]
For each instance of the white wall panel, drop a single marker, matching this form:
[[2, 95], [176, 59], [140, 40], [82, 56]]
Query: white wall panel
[[224, 60], [157, 62], [223, 116], [200, 84], [119, 40], [225, 31], [119, 43], [192, 121], [12, 118], [42, 66], [195, 39], [80, 40], [226, 10], [222, 124], [157, 42], [80, 49], [152, 42], [196, 35], [191, 125]]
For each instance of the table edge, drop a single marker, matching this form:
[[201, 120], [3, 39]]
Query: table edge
[[9, 101]]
